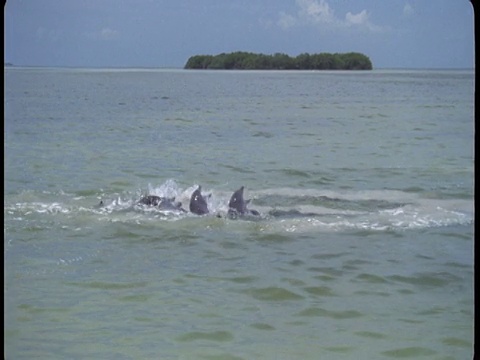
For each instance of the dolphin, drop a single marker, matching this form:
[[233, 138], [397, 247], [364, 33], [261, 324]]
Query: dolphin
[[162, 203], [198, 204], [238, 205]]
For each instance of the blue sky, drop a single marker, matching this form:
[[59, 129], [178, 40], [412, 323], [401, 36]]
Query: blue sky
[[165, 33]]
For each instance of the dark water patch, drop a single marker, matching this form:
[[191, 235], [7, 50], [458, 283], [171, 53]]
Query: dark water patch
[[325, 277], [237, 169], [36, 310], [296, 262], [272, 293], [370, 334], [424, 257], [296, 323], [412, 321], [216, 133], [371, 278], [124, 234], [406, 291], [243, 279], [209, 315], [468, 312], [224, 356], [263, 134], [328, 255], [394, 261], [185, 238], [121, 184], [204, 277], [468, 237], [135, 298], [355, 262], [414, 189], [217, 336], [231, 245], [262, 326], [221, 357], [251, 122], [370, 293], [309, 134], [233, 259], [409, 352], [452, 341], [291, 214], [35, 228], [321, 180], [179, 119], [319, 290], [436, 310], [339, 315], [294, 282], [423, 138], [210, 254], [458, 265], [348, 267], [290, 172], [274, 238], [372, 232], [142, 319], [436, 106], [340, 349], [327, 270], [108, 285], [427, 279]]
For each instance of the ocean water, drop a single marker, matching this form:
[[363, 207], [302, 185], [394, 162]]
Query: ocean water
[[364, 244]]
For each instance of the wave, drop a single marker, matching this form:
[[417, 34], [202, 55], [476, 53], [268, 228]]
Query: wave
[[281, 209]]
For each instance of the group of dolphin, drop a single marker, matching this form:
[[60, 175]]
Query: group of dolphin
[[237, 206]]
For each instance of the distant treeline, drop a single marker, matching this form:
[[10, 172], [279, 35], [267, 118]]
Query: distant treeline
[[241, 60]]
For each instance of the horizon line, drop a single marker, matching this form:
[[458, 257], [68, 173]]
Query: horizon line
[[9, 65]]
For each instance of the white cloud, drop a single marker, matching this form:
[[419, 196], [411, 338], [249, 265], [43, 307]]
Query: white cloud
[[108, 34], [286, 21], [408, 9], [361, 20], [316, 11], [105, 34], [357, 19], [319, 13]]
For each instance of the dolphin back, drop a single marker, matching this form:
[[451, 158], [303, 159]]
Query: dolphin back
[[198, 204], [238, 205]]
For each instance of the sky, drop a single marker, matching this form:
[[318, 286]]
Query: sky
[[165, 33]]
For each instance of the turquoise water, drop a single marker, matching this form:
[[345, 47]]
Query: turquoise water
[[364, 246]]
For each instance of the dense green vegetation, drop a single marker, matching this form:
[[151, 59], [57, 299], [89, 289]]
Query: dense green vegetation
[[241, 60]]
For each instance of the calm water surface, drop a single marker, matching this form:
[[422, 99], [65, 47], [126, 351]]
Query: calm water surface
[[364, 245]]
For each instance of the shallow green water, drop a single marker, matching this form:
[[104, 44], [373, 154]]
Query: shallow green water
[[364, 246]]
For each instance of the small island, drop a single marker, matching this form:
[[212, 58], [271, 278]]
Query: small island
[[242, 60]]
